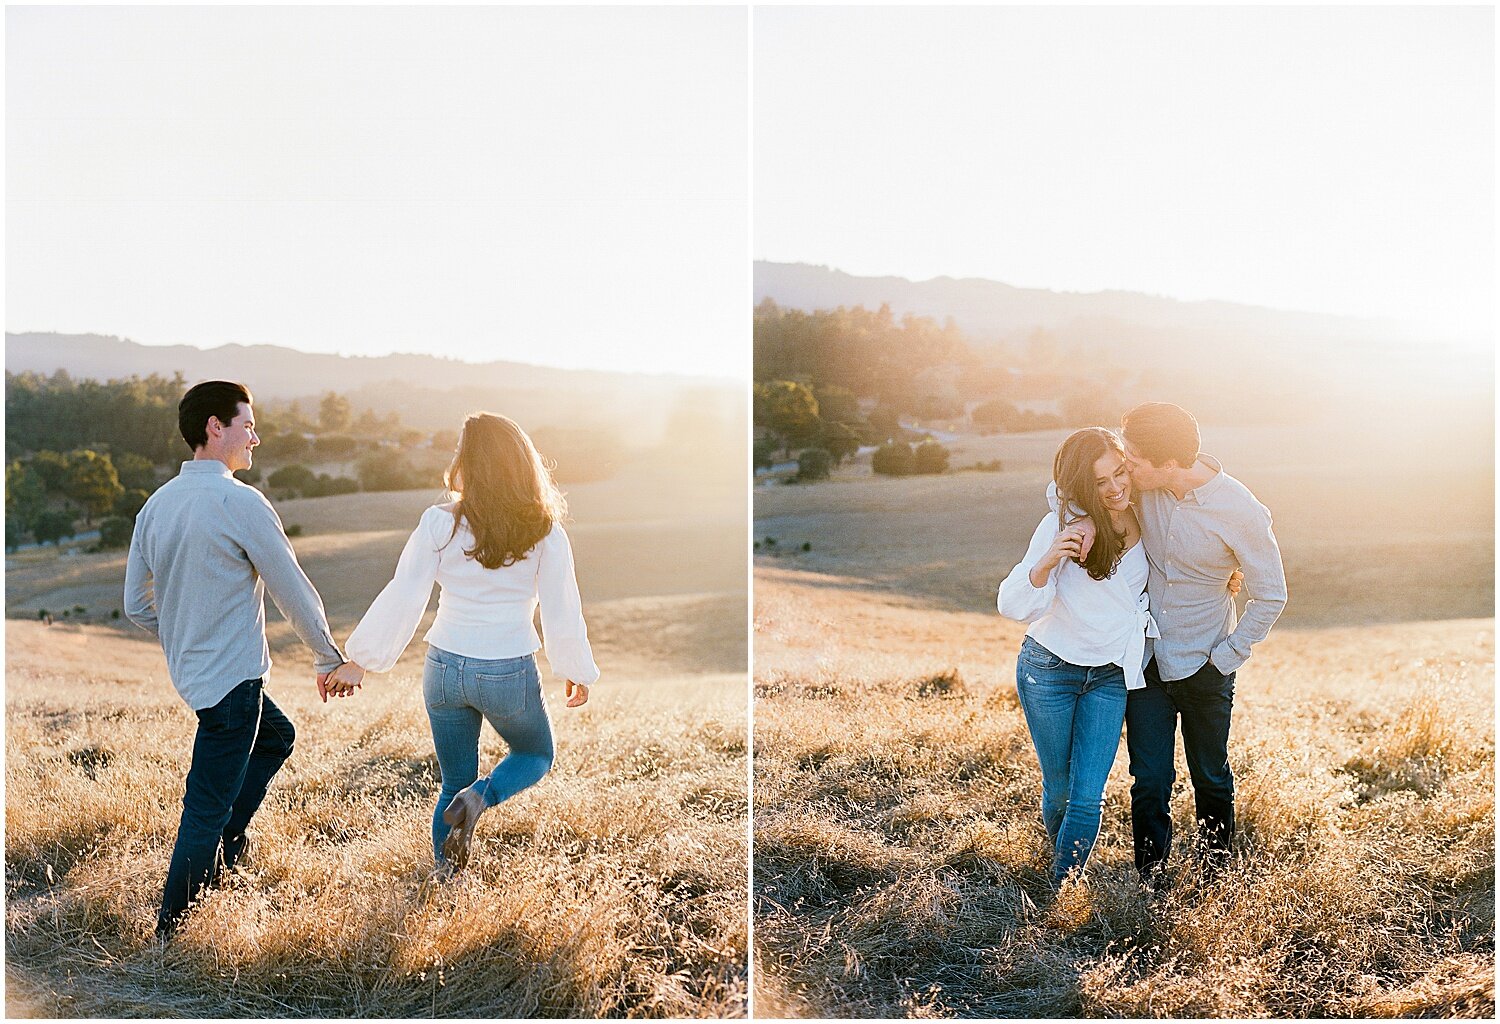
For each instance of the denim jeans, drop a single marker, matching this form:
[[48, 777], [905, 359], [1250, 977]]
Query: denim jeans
[[242, 742], [1203, 701], [1074, 713], [461, 694]]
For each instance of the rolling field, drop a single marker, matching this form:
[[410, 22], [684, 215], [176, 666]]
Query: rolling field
[[616, 887], [901, 867]]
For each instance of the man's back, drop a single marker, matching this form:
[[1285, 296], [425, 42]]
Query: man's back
[[204, 550]]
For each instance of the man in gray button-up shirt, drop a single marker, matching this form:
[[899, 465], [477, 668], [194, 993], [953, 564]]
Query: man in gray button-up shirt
[[206, 548], [1198, 525]]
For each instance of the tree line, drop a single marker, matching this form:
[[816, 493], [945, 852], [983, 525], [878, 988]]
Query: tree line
[[829, 381]]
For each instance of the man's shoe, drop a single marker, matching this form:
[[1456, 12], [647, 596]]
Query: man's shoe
[[462, 815]]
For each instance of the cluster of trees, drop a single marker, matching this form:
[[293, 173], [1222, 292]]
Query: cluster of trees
[[47, 492], [825, 426], [912, 366], [136, 415], [863, 353]]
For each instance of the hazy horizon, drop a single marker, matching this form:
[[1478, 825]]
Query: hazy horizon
[[1335, 161], [562, 186], [708, 377]]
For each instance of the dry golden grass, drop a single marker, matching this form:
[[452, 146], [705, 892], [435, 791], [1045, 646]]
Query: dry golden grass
[[901, 865], [616, 887]]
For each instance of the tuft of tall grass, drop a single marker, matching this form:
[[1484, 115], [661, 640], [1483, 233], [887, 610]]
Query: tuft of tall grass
[[616, 887], [901, 867]]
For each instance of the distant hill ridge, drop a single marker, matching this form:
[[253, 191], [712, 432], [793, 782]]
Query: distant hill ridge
[[284, 372], [990, 311], [426, 390]]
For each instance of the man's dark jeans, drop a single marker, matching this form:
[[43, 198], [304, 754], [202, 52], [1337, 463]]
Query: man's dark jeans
[[1203, 701], [242, 741]]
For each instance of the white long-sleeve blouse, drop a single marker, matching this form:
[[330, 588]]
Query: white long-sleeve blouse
[[1082, 620], [482, 613]]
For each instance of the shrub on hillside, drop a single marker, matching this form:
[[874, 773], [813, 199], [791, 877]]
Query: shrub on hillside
[[839, 440], [51, 526], [115, 532], [294, 479], [893, 459], [930, 457], [326, 485], [814, 464]]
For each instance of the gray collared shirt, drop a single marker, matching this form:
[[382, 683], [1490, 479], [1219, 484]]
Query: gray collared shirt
[[206, 548], [1193, 546]]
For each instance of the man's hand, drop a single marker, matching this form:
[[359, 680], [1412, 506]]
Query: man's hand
[[345, 679], [1236, 582], [1087, 531], [323, 685], [577, 694]]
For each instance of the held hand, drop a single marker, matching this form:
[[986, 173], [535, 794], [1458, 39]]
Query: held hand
[[1089, 531], [1067, 544], [577, 694], [1236, 582], [344, 680], [323, 685]]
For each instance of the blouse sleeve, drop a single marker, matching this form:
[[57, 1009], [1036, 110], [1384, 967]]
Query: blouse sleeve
[[563, 630], [1017, 598], [391, 622]]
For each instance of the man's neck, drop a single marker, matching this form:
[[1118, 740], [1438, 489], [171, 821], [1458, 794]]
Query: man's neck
[[1186, 480], [204, 455]]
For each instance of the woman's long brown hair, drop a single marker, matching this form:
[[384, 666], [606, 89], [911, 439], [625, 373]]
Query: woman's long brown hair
[[1078, 489], [503, 489]]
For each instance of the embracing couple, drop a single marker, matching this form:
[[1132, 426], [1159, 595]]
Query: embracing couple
[[207, 548], [1128, 586]]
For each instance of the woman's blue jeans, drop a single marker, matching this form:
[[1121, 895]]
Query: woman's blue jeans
[[463, 693], [1074, 713]]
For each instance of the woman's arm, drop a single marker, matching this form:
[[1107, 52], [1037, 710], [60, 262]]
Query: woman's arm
[[386, 629], [1028, 591], [563, 629]]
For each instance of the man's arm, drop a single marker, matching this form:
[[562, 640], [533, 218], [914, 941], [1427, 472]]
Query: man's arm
[[264, 541], [1255, 547], [140, 596]]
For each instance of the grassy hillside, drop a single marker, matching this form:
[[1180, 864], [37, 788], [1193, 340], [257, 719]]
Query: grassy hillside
[[616, 887], [901, 867], [901, 864], [1369, 534]]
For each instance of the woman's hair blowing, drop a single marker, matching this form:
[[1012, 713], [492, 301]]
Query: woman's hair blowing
[[503, 489], [1078, 490]]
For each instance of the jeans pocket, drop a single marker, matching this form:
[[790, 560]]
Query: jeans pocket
[[434, 682], [503, 693], [1037, 656], [239, 708]]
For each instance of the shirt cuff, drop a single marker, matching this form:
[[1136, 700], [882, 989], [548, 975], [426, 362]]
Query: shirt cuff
[[1225, 659]]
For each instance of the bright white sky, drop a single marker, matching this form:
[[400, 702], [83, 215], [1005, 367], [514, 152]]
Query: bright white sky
[[1328, 159], [559, 186]]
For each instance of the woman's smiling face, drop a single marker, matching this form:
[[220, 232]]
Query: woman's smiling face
[[1112, 477]]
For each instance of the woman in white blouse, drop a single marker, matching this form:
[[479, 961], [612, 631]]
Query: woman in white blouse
[[496, 550], [1086, 645]]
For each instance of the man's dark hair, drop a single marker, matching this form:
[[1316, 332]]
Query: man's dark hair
[[1162, 431], [219, 398]]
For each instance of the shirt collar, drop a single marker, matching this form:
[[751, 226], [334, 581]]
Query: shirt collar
[[1206, 490], [205, 467]]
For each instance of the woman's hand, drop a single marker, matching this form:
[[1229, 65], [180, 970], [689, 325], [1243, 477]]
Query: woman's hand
[[344, 680], [1236, 582], [1067, 544], [577, 694]]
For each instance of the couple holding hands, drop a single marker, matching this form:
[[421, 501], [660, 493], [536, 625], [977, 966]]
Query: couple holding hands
[[205, 550]]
